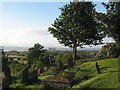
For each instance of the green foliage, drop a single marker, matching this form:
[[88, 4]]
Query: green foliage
[[22, 86], [111, 19], [37, 57], [74, 26], [43, 77], [58, 59], [110, 50], [48, 72], [77, 26], [15, 67], [16, 85], [65, 58], [36, 86], [35, 52]]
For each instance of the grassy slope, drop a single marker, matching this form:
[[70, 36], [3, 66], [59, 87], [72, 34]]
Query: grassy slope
[[108, 78]]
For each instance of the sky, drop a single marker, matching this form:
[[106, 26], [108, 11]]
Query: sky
[[25, 23]]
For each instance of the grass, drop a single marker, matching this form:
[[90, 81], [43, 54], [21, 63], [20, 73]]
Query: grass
[[22, 86], [43, 77], [86, 75], [108, 78], [16, 56]]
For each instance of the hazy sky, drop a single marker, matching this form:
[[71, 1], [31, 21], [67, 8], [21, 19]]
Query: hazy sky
[[26, 23]]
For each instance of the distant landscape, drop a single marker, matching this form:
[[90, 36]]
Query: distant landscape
[[12, 48], [79, 47]]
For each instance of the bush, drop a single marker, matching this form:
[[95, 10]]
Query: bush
[[15, 67], [65, 58], [16, 85], [110, 50]]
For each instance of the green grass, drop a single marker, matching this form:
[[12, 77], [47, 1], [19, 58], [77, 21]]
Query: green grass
[[108, 78], [43, 77], [20, 85]]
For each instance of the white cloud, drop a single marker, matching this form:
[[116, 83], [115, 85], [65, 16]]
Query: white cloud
[[28, 37]]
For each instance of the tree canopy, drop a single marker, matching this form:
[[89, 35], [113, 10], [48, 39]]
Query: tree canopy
[[35, 52], [112, 20], [77, 26], [110, 50]]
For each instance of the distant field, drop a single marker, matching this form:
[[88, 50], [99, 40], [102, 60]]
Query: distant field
[[15, 56]]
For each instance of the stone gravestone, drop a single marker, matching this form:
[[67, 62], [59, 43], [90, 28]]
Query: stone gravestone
[[97, 67], [33, 75], [25, 75], [5, 83]]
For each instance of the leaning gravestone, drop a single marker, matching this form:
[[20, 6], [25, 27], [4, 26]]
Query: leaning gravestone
[[25, 75], [33, 75], [98, 69]]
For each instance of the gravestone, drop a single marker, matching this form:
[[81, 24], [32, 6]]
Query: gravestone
[[5, 83], [25, 75], [33, 75], [97, 67]]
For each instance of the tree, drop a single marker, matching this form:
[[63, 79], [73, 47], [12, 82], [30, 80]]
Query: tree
[[110, 50], [34, 53], [112, 20], [59, 62], [77, 26], [46, 60], [5, 69]]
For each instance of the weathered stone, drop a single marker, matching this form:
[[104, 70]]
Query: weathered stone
[[5, 83], [33, 75], [25, 75], [98, 69]]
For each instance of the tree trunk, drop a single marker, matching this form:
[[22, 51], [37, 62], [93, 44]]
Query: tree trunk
[[74, 54]]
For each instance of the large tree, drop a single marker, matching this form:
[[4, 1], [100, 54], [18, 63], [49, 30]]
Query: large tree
[[77, 26], [112, 20]]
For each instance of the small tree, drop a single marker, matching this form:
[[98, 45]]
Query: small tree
[[59, 62], [77, 26], [46, 60], [6, 70], [34, 54]]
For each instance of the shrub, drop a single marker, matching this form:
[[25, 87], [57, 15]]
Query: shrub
[[110, 50]]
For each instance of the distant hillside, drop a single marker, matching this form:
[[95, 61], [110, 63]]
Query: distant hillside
[[15, 48]]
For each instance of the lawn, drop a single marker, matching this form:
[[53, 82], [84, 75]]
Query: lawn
[[107, 79]]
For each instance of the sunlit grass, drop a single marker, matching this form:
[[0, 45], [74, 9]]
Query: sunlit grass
[[108, 78]]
